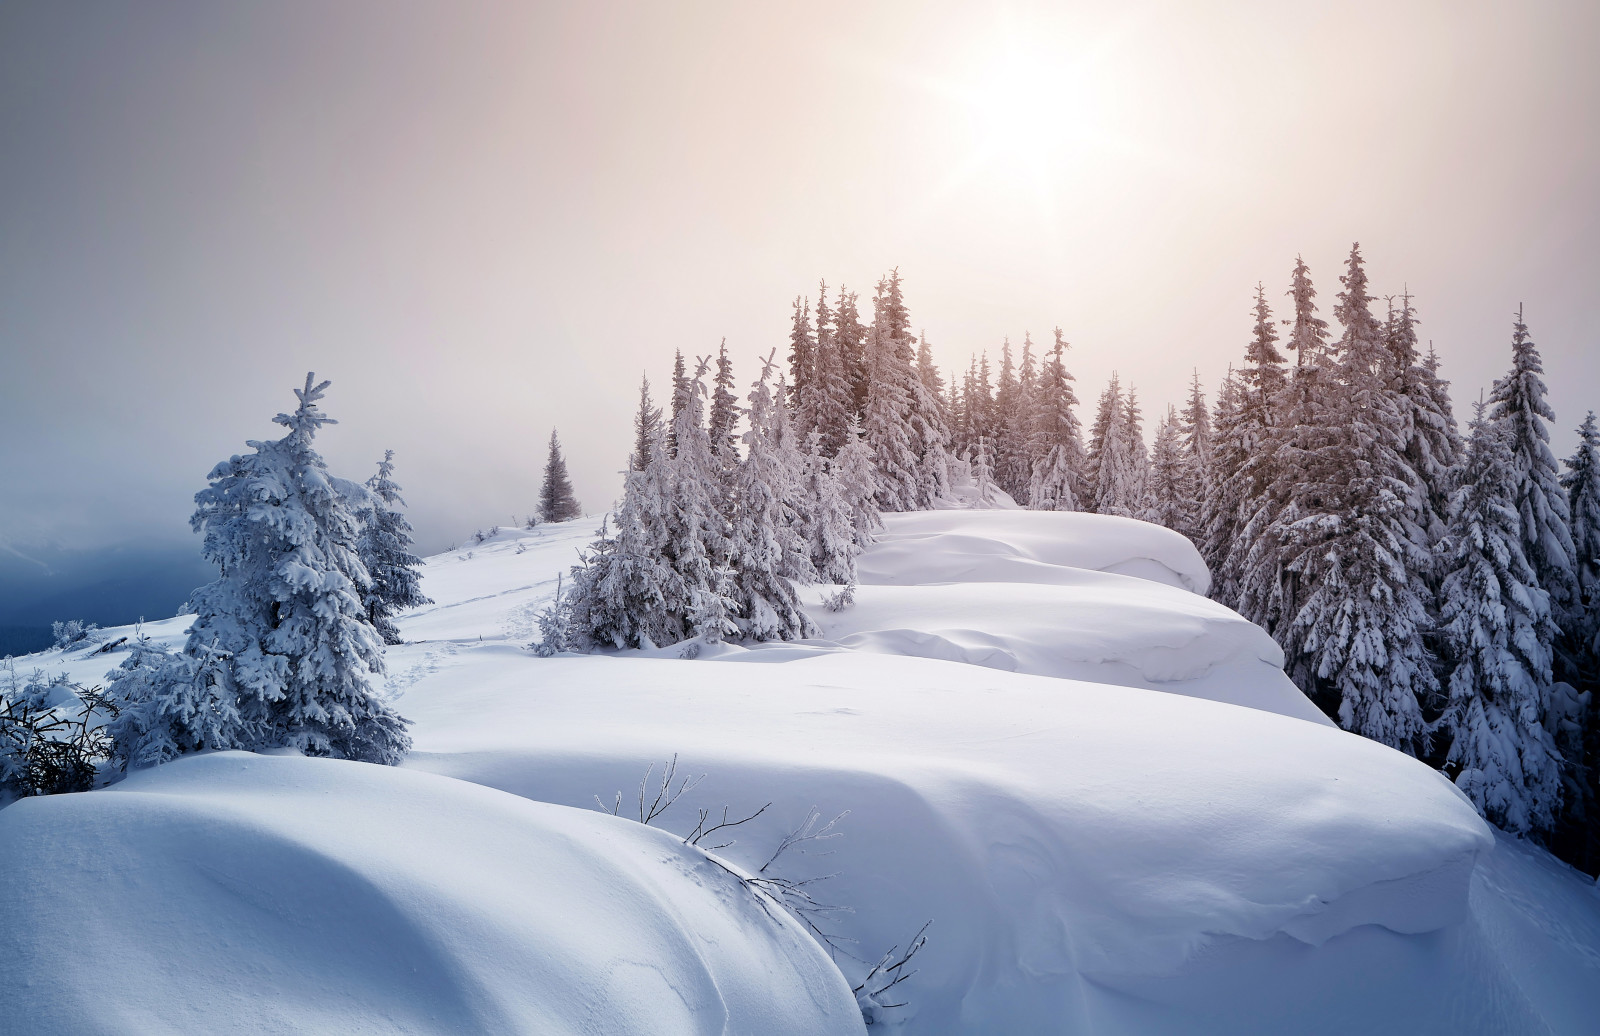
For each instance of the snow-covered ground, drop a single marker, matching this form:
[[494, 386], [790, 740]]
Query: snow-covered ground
[[1118, 814]]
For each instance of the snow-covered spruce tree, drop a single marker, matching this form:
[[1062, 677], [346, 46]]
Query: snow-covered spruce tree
[[622, 594], [1497, 633], [556, 502], [1195, 436], [1119, 460], [385, 550], [724, 420], [886, 428], [1352, 542], [1253, 437], [1057, 474], [802, 366], [858, 483], [983, 473], [1428, 424], [1517, 401], [281, 652], [927, 429], [1103, 437], [680, 399], [1309, 337], [1009, 445], [850, 339], [832, 405], [1168, 505], [1582, 483], [766, 603], [831, 533], [1219, 508], [646, 427]]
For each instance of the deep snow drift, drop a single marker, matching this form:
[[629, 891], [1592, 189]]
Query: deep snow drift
[[279, 894], [1035, 722]]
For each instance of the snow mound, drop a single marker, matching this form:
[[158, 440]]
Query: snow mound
[[924, 547], [1053, 831], [284, 894], [1081, 596]]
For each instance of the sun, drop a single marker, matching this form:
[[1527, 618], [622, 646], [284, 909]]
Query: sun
[[1027, 109]]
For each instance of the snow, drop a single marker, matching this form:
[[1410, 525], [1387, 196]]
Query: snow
[[287, 894], [1106, 836]]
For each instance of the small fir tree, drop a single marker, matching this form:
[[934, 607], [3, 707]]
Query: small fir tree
[[385, 549], [556, 502]]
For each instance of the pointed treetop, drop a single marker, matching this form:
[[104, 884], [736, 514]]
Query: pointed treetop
[[307, 418]]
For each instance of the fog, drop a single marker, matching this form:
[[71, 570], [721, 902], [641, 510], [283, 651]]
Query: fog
[[485, 221]]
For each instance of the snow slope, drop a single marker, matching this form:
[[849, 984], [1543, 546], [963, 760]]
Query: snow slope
[[283, 894], [1096, 855]]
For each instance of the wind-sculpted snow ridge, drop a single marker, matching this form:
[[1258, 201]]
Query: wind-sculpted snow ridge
[[1082, 596], [272, 894]]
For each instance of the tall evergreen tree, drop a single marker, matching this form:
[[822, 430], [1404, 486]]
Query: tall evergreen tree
[[724, 411], [1195, 432], [1057, 483], [802, 360], [680, 400], [1497, 632], [385, 550], [857, 475], [646, 426], [1309, 337], [886, 427], [766, 602], [1518, 402], [1168, 504], [1349, 537], [850, 338], [832, 406], [1582, 483]]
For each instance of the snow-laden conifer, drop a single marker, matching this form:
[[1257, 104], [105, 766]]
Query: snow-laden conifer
[[1167, 505], [1349, 539], [851, 340], [623, 594], [830, 533], [857, 476], [281, 652], [1518, 402], [802, 365], [886, 427], [722, 428], [831, 406], [1427, 419], [385, 549], [646, 427], [556, 502], [1582, 483], [1057, 482], [1497, 632], [767, 605]]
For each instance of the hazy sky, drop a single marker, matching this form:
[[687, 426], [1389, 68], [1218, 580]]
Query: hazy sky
[[482, 221]]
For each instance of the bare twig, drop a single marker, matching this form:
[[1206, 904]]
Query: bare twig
[[701, 831], [806, 832]]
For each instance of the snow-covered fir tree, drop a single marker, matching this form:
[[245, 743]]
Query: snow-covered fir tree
[[1195, 432], [623, 594], [851, 340], [556, 502], [281, 652], [722, 426], [767, 605], [1517, 402], [1118, 461], [385, 550], [886, 426], [646, 427], [856, 473], [680, 399], [1167, 505], [1428, 425], [1497, 631], [1582, 483], [831, 406], [831, 531], [1349, 537], [1057, 482]]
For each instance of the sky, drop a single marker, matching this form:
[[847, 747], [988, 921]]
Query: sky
[[485, 221]]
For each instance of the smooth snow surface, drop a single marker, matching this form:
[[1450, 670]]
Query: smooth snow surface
[[1097, 856], [276, 894]]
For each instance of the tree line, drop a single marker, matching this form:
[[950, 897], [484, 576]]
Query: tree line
[[1435, 590]]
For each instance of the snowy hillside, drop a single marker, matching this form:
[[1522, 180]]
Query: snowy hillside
[[1118, 814]]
